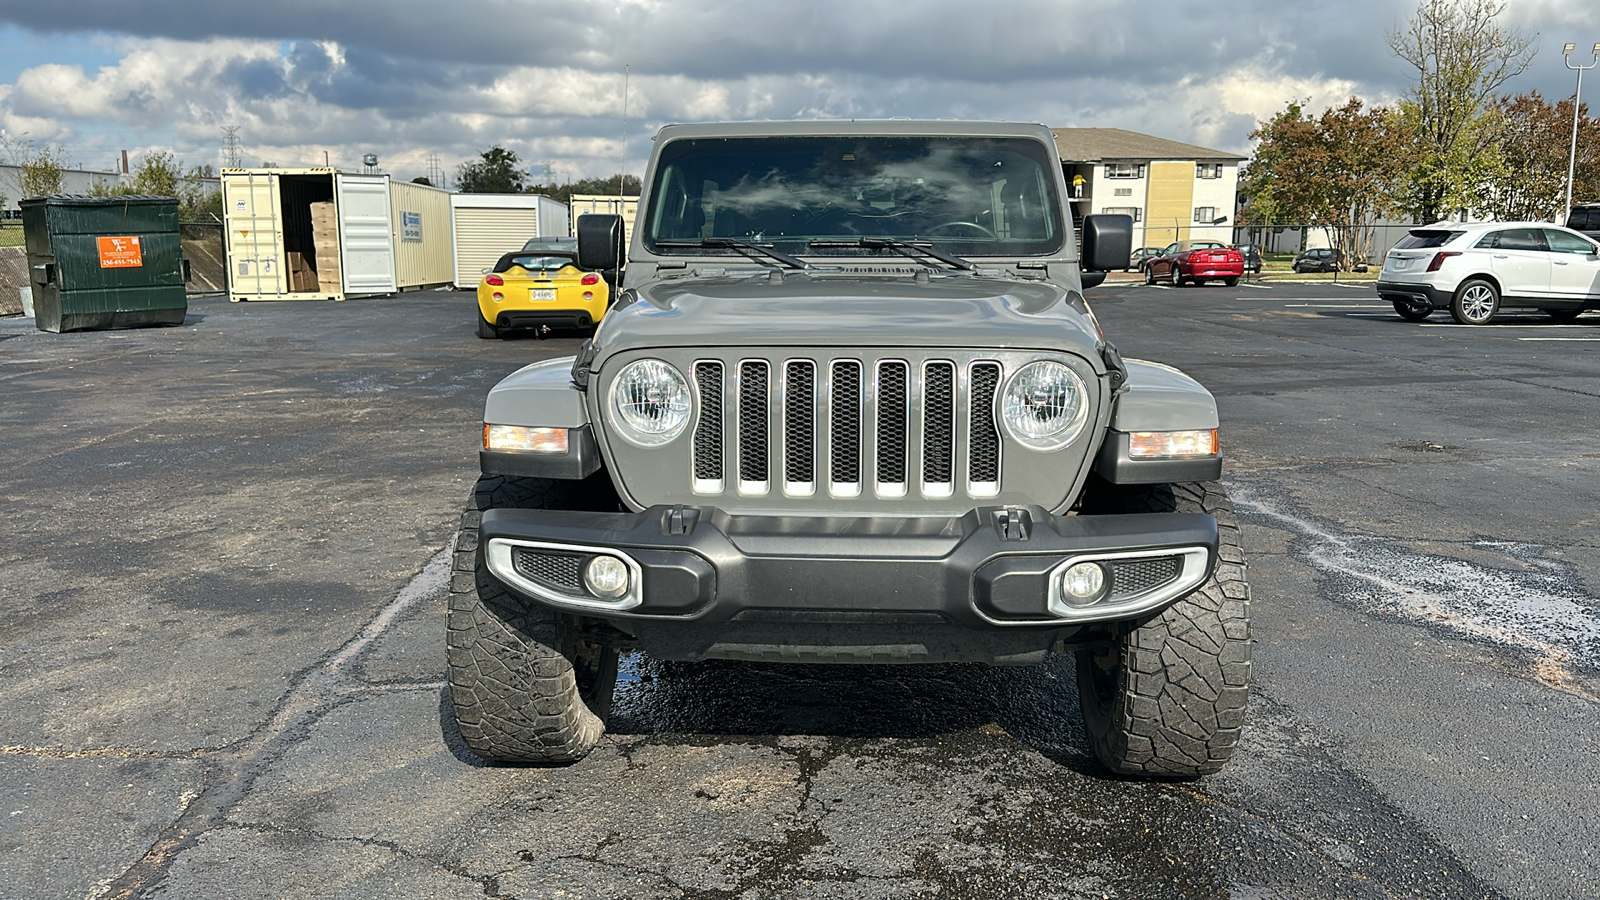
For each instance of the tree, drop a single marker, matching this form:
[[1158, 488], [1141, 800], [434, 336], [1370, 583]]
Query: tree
[[1528, 175], [1333, 171], [495, 171], [1462, 58], [39, 167], [158, 175], [610, 186]]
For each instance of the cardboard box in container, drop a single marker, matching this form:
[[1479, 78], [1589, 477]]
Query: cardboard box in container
[[302, 272], [325, 237]]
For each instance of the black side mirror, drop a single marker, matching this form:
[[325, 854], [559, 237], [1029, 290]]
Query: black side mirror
[[1107, 242], [599, 241]]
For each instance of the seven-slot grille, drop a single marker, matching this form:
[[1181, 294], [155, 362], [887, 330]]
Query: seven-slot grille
[[847, 427]]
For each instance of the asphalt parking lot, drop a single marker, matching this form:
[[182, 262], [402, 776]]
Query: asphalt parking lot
[[222, 569]]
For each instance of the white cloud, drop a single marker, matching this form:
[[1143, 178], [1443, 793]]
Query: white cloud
[[299, 77]]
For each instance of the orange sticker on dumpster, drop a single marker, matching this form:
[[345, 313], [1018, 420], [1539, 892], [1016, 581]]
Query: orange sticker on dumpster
[[120, 253]]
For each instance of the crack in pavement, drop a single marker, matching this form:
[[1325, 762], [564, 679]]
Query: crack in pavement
[[232, 771]]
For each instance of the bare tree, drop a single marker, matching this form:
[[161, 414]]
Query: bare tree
[[1462, 57]]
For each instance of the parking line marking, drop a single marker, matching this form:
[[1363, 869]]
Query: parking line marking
[[1589, 340], [1331, 306]]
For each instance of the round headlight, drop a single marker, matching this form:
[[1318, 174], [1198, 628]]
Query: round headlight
[[1045, 405], [651, 400]]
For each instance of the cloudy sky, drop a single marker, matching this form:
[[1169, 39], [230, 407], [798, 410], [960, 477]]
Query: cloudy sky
[[414, 79]]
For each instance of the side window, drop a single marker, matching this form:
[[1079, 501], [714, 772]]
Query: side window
[[1562, 242], [1523, 239], [1489, 241]]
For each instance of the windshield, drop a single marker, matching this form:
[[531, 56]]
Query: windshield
[[966, 196], [533, 262]]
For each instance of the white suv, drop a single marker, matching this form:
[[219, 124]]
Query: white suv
[[1474, 270]]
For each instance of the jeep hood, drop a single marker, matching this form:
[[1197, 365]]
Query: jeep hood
[[957, 310]]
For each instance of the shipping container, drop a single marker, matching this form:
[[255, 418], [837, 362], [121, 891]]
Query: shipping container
[[488, 226], [423, 254], [307, 234], [626, 207]]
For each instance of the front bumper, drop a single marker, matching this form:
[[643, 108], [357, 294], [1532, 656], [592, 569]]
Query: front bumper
[[706, 583]]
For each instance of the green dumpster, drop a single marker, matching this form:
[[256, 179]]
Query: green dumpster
[[104, 262]]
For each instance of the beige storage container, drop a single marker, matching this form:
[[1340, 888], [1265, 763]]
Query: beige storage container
[[423, 253], [307, 234], [626, 207]]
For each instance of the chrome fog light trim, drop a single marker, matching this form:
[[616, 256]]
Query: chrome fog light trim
[[1195, 567], [497, 556]]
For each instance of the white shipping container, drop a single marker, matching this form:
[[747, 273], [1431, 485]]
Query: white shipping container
[[273, 249], [488, 226]]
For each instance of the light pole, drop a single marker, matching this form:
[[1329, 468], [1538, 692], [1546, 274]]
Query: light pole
[[1577, 99]]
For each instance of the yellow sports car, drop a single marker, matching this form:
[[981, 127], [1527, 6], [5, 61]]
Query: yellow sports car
[[540, 287]]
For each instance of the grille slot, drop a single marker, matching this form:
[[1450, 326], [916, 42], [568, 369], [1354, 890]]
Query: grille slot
[[938, 429], [893, 412], [844, 429], [708, 430], [799, 427], [753, 419], [551, 568], [888, 428], [1136, 576], [983, 458]]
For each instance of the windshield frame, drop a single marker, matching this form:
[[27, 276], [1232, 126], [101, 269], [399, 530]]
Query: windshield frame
[[814, 172]]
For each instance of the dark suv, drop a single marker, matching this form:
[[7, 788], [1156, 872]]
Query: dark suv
[[1586, 218]]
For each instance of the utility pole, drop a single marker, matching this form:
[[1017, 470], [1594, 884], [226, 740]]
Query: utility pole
[[623, 166], [1577, 94]]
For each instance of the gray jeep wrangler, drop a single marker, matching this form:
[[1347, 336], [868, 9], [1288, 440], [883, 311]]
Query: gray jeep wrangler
[[851, 407]]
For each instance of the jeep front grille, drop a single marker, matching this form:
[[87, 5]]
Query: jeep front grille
[[887, 428]]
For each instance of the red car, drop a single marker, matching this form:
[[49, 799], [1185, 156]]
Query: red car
[[1195, 262]]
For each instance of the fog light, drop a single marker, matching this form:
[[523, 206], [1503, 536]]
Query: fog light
[[1081, 584], [606, 577]]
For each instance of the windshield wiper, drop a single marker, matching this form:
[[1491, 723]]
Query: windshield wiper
[[904, 248], [792, 262]]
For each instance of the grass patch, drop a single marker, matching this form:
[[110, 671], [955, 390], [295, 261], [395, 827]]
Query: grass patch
[[11, 235]]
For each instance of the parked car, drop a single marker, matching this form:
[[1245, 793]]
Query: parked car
[[542, 288], [1475, 270], [1193, 262], [1137, 260], [1252, 257], [1585, 217], [1319, 259]]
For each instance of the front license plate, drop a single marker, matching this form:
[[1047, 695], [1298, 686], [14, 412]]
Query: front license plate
[[544, 294]]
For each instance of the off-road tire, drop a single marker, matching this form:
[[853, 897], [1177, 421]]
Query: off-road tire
[[485, 330], [522, 676], [1412, 311], [1166, 698], [1475, 303]]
